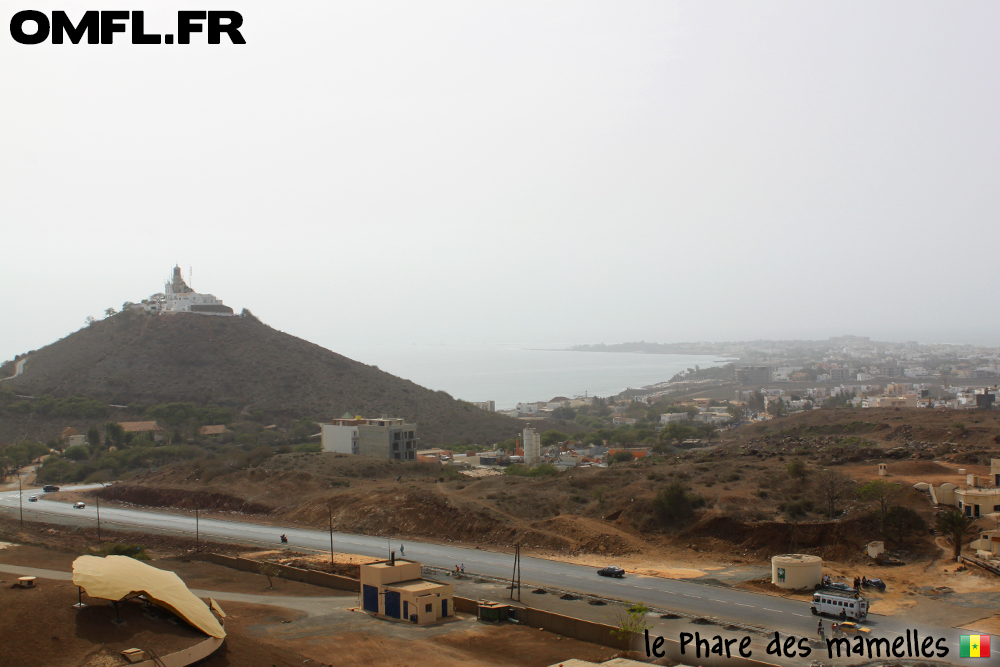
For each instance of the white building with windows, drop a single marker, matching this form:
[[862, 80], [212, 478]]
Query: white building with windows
[[177, 297]]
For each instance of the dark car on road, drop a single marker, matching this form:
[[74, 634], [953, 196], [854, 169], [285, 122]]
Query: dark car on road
[[50, 487], [611, 571]]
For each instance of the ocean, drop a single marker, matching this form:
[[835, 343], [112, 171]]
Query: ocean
[[511, 374]]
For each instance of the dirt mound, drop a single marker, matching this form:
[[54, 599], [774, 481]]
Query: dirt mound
[[770, 538], [181, 499], [919, 468]]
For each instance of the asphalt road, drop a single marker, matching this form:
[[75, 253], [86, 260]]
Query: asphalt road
[[682, 596]]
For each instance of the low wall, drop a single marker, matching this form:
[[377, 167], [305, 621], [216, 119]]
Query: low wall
[[314, 577]]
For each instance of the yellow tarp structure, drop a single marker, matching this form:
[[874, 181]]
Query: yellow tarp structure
[[115, 577]]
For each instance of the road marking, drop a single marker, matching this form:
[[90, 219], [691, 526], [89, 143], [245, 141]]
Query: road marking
[[742, 605], [691, 596], [894, 632], [802, 615], [774, 610], [713, 600]]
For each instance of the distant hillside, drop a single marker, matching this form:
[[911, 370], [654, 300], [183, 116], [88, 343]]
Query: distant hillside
[[239, 362]]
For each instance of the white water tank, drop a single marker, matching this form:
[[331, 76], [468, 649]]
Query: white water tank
[[796, 571]]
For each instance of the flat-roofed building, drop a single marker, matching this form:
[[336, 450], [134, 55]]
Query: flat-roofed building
[[394, 588], [386, 437]]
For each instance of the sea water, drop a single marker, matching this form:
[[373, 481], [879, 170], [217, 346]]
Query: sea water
[[512, 374]]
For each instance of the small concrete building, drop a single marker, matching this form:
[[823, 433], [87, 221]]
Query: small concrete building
[[796, 571], [395, 589]]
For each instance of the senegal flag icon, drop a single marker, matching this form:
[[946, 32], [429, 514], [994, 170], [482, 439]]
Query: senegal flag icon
[[975, 646]]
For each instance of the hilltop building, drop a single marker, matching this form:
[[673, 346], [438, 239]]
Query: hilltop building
[[177, 297], [384, 438]]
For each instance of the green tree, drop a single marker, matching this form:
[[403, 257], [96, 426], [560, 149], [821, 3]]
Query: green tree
[[709, 430], [957, 526], [621, 457], [114, 434], [777, 408], [630, 622], [552, 437], [675, 504], [677, 432], [797, 469], [94, 436], [77, 453], [883, 495], [901, 522]]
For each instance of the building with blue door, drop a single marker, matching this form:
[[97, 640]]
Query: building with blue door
[[395, 589]]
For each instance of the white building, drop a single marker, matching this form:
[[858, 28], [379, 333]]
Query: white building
[[385, 437], [177, 297], [532, 447], [527, 409]]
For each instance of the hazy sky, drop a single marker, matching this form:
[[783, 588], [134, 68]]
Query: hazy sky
[[536, 172]]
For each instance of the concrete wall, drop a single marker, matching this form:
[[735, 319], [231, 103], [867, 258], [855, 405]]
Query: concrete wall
[[314, 577], [338, 438]]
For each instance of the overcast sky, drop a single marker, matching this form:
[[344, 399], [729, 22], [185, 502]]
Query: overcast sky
[[528, 173]]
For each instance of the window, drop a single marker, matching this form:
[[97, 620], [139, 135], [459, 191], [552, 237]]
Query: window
[[996, 508], [429, 608]]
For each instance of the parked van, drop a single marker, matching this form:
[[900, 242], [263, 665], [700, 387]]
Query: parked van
[[841, 605]]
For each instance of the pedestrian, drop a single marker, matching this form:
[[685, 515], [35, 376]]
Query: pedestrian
[[463, 568], [819, 630], [401, 551]]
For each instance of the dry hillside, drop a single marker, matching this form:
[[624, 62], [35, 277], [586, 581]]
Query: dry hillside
[[241, 363], [745, 481]]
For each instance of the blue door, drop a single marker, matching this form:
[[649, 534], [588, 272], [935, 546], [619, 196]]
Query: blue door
[[392, 604], [369, 599], [406, 610], [444, 608]]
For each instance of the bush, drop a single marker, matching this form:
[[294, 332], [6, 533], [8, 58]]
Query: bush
[[136, 551], [539, 470], [621, 457], [675, 504]]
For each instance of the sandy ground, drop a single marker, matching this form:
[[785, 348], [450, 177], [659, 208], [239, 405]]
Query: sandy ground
[[332, 633]]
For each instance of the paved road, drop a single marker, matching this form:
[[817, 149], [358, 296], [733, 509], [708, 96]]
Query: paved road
[[683, 596], [18, 369]]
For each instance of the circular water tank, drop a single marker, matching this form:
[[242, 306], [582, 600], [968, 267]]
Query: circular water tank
[[796, 571], [921, 486]]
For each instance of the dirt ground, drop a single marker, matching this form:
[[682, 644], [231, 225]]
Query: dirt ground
[[258, 635]]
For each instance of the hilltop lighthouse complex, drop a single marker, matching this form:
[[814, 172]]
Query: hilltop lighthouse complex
[[177, 297]]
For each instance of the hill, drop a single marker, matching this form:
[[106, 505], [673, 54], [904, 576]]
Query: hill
[[240, 363]]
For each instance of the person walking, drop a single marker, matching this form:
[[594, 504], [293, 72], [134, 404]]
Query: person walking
[[401, 553], [463, 568], [819, 630]]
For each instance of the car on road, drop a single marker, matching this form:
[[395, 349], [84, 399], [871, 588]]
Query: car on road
[[79, 506], [853, 628], [32, 499], [50, 487], [611, 571]]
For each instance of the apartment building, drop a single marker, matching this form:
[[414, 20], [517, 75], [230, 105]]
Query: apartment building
[[385, 438]]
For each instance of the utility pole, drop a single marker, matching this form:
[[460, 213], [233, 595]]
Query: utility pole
[[330, 507], [516, 574], [20, 498], [98, 499], [197, 532]]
